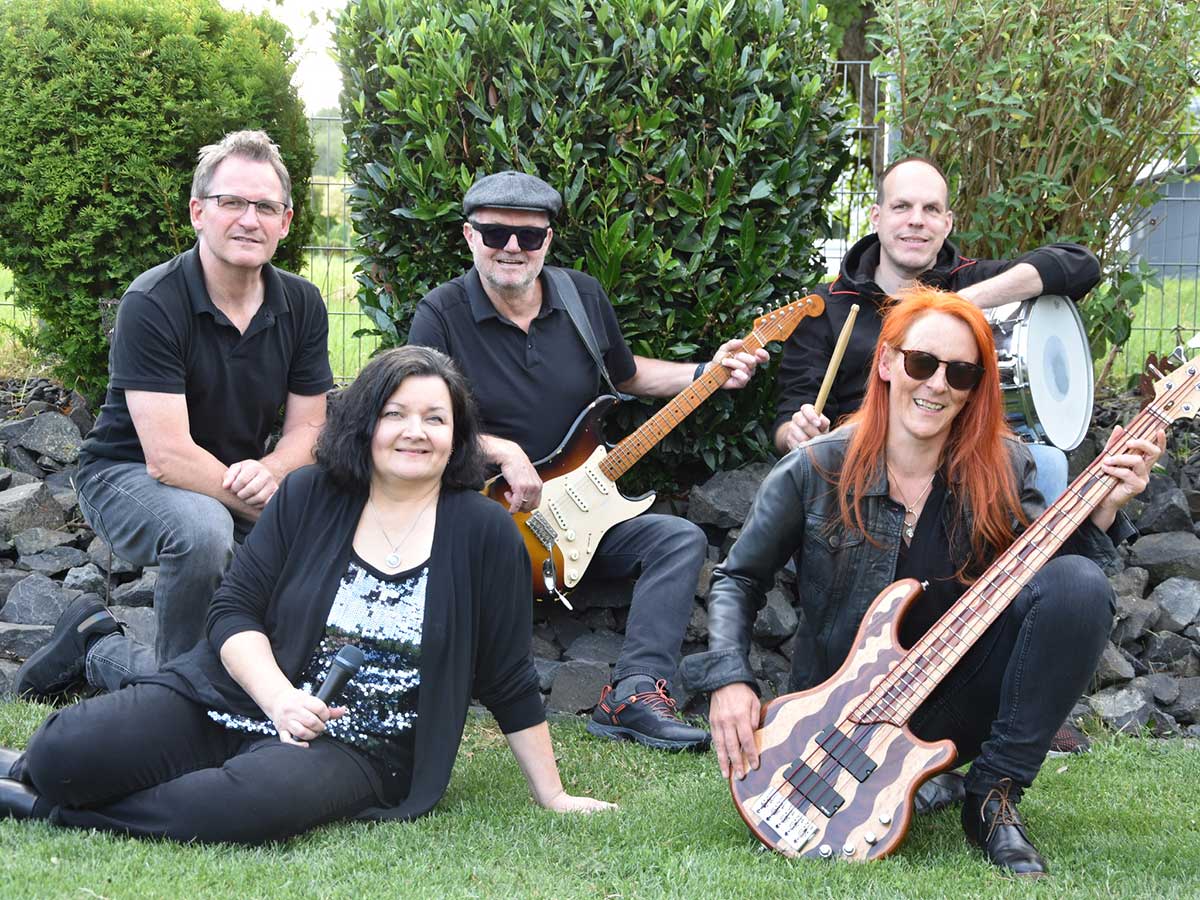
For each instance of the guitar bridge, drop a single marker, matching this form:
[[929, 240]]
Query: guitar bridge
[[542, 530], [776, 809]]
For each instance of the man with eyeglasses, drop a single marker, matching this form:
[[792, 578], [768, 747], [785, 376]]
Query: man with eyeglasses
[[507, 326], [912, 220], [208, 348]]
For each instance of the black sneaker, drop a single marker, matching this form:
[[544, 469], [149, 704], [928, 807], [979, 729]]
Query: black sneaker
[[646, 715], [58, 665], [1067, 740]]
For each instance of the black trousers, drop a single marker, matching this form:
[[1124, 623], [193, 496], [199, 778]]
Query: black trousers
[[148, 762], [1011, 691]]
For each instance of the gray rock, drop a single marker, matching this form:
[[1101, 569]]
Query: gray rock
[[704, 578], [577, 685], [545, 669], [1123, 708], [49, 464], [600, 619], [1170, 652], [28, 506], [1081, 457], [697, 628], [567, 625], [1167, 512], [36, 600], [597, 646], [97, 552], [1186, 707], [544, 649], [8, 676], [9, 578], [1113, 667], [139, 592], [1134, 616], [35, 540], [139, 622], [724, 500], [21, 460], [1164, 688], [54, 435], [87, 578], [1164, 556], [21, 641], [35, 408], [10, 478], [1162, 724], [55, 561], [80, 414], [1131, 581], [12, 431], [1178, 601], [67, 499], [776, 621]]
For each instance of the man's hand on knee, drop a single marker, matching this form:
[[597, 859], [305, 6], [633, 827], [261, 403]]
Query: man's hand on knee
[[733, 717], [251, 481]]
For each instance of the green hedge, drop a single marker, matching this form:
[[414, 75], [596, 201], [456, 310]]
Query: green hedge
[[694, 143], [103, 107]]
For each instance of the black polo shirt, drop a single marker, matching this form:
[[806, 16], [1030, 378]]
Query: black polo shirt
[[171, 338], [530, 387]]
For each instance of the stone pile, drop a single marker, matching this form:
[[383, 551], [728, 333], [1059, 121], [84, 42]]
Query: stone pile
[[1149, 676]]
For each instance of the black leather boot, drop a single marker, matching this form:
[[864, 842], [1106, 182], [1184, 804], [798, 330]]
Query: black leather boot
[[993, 824]]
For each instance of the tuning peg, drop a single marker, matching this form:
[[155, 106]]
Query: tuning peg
[[1178, 356], [759, 311], [1154, 371]]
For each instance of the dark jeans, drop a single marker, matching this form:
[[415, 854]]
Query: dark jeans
[[189, 536], [1008, 695], [665, 554], [148, 762]]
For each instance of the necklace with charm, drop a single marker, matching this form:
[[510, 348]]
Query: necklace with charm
[[910, 509], [393, 558]]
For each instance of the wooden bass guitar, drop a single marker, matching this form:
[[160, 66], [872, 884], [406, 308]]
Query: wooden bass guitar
[[580, 501], [839, 767]]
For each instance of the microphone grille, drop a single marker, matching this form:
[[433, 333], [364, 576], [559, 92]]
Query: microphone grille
[[349, 657]]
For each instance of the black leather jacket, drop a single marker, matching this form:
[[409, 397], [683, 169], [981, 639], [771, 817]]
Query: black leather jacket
[[795, 513]]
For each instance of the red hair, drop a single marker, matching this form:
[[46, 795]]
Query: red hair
[[974, 456]]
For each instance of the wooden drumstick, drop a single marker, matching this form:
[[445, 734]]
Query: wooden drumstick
[[838, 351]]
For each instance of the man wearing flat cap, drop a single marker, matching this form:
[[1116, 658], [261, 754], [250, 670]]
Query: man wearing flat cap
[[506, 324]]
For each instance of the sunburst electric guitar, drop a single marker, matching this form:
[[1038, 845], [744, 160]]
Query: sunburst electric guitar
[[580, 500], [838, 766]]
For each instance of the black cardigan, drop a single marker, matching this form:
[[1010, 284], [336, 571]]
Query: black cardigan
[[475, 642]]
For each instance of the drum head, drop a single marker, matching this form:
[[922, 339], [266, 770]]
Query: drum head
[[1058, 365]]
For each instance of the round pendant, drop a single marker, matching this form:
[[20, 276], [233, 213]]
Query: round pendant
[[392, 560]]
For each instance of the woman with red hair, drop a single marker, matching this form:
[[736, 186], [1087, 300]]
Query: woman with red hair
[[925, 481]]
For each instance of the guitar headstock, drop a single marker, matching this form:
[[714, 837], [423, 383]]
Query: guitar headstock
[[1177, 394], [778, 323]]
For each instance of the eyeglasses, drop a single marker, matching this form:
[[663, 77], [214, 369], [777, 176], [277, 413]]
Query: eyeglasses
[[267, 209], [496, 236], [961, 376]]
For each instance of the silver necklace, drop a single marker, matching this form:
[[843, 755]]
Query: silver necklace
[[393, 558], [910, 509]]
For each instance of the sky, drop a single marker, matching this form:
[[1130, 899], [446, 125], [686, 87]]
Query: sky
[[317, 77]]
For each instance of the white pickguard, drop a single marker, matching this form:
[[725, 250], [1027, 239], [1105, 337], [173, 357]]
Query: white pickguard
[[581, 507]]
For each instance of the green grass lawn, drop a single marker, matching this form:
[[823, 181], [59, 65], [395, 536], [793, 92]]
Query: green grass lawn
[[1119, 822], [1175, 304]]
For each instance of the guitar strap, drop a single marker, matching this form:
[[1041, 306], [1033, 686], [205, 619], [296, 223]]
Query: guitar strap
[[569, 294]]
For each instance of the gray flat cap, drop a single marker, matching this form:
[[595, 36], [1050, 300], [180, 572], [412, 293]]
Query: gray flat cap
[[512, 190]]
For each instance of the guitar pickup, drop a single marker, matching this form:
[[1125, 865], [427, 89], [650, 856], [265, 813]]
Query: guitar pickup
[[846, 753], [815, 789]]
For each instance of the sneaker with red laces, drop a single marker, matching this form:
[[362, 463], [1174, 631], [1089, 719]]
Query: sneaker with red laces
[[646, 714], [1069, 739]]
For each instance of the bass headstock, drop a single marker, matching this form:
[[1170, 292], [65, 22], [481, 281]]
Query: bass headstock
[[1177, 394], [777, 324]]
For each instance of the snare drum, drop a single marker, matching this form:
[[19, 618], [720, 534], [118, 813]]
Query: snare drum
[[1045, 369]]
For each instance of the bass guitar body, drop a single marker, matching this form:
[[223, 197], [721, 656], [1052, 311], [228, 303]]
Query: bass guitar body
[[836, 780], [579, 505]]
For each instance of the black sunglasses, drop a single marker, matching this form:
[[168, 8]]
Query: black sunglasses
[[961, 376], [496, 236]]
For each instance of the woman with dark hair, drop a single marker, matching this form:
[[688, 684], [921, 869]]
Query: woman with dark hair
[[383, 545], [925, 481]]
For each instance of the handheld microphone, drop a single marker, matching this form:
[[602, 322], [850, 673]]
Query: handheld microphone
[[345, 666]]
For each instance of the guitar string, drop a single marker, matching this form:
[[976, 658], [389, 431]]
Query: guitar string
[[1142, 425]]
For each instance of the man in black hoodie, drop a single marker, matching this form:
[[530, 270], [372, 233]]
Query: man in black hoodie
[[912, 219]]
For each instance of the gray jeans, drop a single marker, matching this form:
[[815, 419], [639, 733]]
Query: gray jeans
[[189, 536]]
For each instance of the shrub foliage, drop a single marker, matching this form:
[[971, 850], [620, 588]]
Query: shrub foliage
[[104, 106], [1047, 114], [694, 144]]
